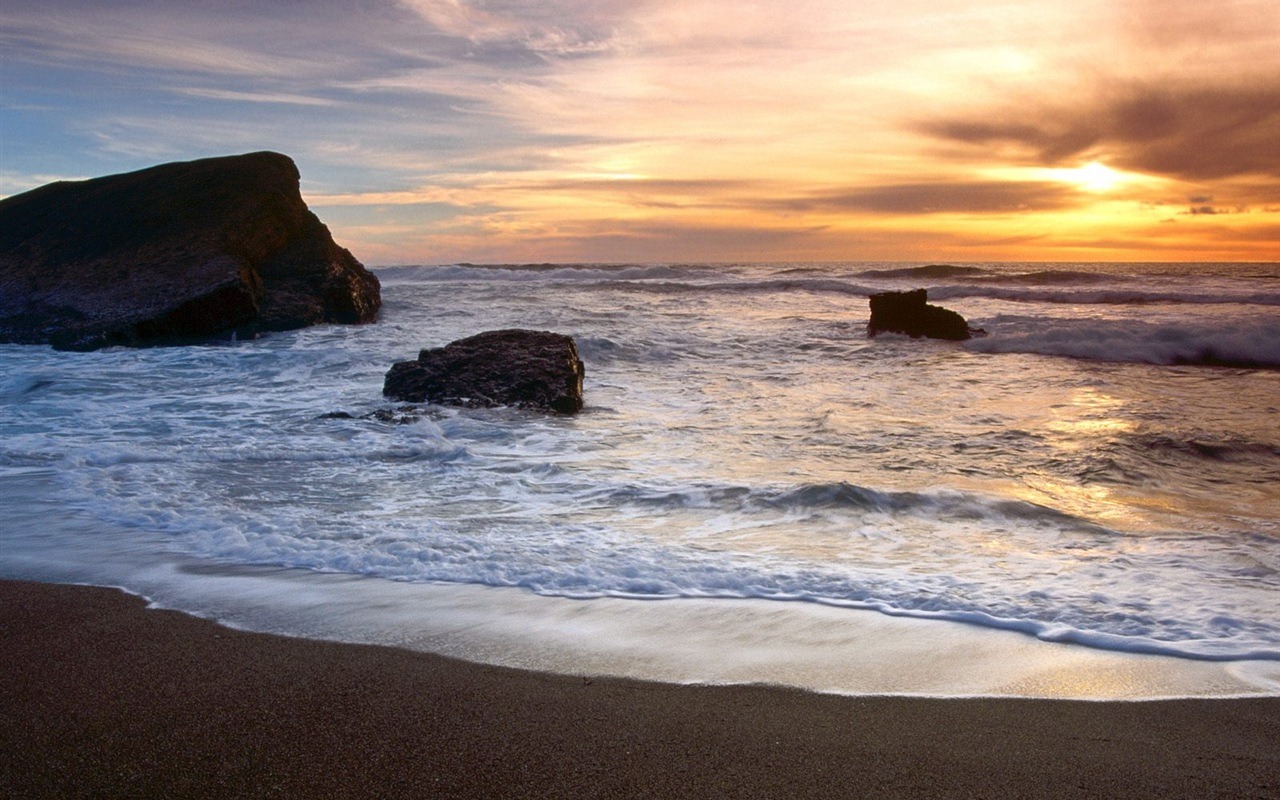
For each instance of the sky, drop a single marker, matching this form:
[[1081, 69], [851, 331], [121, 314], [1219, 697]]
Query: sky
[[483, 131]]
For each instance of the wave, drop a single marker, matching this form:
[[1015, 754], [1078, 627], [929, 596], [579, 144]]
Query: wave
[[586, 561], [645, 280], [514, 540], [542, 272], [602, 350], [1047, 277], [1249, 345], [1200, 462], [944, 505], [17, 388], [1052, 287], [776, 286], [1211, 448], [930, 272], [827, 285], [970, 274], [1105, 296]]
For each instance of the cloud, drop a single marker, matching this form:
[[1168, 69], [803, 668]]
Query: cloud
[[256, 97], [1165, 26], [1207, 211], [136, 81], [774, 198], [655, 193], [527, 31], [128, 39], [12, 183], [1189, 132], [938, 197]]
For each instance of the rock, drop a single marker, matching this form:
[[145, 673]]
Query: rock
[[176, 253], [402, 416], [525, 369], [907, 312]]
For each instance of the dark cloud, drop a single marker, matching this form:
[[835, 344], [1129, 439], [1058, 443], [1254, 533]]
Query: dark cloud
[[940, 197], [1047, 140], [1197, 211], [667, 186], [973, 197], [1190, 133], [1002, 241]]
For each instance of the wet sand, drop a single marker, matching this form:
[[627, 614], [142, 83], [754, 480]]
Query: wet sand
[[103, 697]]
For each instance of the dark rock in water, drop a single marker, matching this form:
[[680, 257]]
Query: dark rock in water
[[402, 416], [907, 312], [176, 253], [526, 369]]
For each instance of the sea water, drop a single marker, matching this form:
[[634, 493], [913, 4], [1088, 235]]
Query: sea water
[[1100, 471]]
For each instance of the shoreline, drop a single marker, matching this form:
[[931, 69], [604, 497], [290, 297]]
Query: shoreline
[[808, 646], [106, 697]]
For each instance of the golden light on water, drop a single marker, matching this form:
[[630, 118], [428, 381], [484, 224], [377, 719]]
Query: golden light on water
[[1089, 416], [1084, 422]]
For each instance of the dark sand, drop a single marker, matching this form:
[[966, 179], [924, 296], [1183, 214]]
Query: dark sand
[[101, 697]]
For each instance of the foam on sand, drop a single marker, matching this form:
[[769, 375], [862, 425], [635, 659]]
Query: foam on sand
[[843, 651]]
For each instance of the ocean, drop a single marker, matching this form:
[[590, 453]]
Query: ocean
[[755, 492]]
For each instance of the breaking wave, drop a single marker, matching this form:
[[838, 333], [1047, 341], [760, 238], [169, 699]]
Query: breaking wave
[[1113, 297], [1254, 345], [930, 272], [1052, 286]]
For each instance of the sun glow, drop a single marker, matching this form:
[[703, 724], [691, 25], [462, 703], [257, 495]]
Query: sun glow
[[1094, 177]]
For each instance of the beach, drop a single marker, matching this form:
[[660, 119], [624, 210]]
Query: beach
[[106, 698]]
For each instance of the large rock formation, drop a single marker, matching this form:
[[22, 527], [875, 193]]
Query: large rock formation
[[907, 312], [526, 369], [176, 253]]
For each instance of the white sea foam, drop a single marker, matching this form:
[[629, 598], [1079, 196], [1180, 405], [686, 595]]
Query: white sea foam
[[836, 544]]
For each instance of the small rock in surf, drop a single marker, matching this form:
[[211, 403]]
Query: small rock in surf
[[908, 313], [537, 370]]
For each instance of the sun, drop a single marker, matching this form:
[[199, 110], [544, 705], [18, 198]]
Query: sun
[[1094, 177]]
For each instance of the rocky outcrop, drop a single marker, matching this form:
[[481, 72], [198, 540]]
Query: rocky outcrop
[[907, 312], [176, 253], [525, 369]]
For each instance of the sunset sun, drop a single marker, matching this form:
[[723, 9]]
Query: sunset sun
[[1095, 177]]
